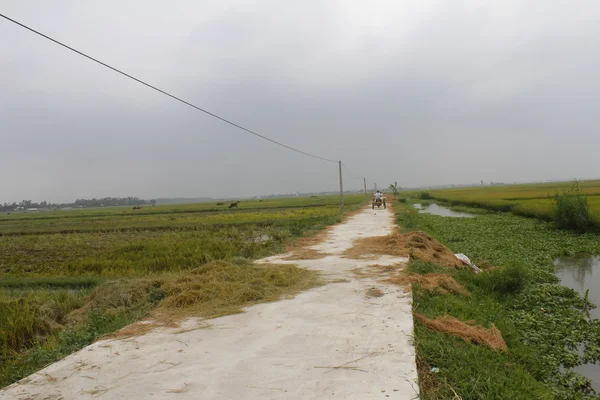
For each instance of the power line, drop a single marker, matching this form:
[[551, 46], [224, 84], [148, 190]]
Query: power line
[[351, 173], [164, 92]]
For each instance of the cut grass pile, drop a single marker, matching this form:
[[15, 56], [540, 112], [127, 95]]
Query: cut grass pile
[[376, 271], [221, 288], [211, 290], [490, 337], [374, 292], [440, 283], [414, 244], [305, 254]]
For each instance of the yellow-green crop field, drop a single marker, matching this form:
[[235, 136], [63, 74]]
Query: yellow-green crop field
[[532, 200]]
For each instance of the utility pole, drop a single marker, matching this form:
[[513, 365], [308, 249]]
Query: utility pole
[[341, 186], [365, 180]]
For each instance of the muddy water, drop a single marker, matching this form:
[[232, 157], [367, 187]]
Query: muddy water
[[436, 209], [580, 273]]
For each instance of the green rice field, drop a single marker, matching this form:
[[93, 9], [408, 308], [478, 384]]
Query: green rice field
[[530, 200]]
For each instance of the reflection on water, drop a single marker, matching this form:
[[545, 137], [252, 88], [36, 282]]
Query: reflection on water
[[582, 272], [441, 210]]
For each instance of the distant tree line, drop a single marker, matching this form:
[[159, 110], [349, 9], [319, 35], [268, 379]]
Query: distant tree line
[[103, 202]]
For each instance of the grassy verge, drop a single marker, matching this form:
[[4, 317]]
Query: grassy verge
[[542, 322]]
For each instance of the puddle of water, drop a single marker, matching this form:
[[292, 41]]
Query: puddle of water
[[436, 209], [582, 272]]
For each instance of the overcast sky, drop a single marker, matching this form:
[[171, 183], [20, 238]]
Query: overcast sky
[[419, 92]]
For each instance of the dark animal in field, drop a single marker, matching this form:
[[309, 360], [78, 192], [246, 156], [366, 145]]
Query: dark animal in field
[[137, 207], [7, 213], [234, 204]]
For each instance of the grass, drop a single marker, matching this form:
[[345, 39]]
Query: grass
[[24, 319], [542, 322], [470, 370], [68, 278], [528, 200], [62, 342], [571, 209], [63, 282]]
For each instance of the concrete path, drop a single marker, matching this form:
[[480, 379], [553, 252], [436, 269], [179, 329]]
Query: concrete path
[[332, 342]]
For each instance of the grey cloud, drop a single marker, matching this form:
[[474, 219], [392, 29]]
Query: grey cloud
[[427, 93]]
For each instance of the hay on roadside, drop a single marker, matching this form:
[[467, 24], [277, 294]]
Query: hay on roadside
[[309, 240], [142, 327], [211, 290], [490, 337], [305, 254], [440, 283], [385, 269], [123, 295], [221, 288], [374, 292], [415, 244], [376, 270]]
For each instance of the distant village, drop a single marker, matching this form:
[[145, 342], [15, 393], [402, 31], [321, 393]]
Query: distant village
[[29, 206]]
